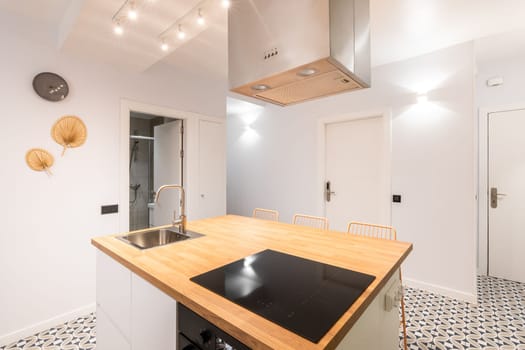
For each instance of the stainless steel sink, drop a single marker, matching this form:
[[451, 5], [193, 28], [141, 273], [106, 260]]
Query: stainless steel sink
[[157, 237]]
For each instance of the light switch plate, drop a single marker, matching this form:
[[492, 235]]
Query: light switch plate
[[109, 209]]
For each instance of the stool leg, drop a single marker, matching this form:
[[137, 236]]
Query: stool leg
[[403, 320]]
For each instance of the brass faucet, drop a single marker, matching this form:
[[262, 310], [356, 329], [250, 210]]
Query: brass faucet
[[181, 220]]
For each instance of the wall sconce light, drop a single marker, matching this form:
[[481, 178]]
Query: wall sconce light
[[249, 136], [422, 98]]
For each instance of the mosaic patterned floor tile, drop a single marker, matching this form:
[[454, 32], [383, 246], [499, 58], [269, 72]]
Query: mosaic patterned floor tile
[[434, 322], [497, 322], [78, 334]]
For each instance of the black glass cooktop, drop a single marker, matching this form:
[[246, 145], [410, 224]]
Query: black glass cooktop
[[301, 295]]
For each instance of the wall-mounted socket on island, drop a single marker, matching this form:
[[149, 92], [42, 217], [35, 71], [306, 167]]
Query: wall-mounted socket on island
[[109, 209]]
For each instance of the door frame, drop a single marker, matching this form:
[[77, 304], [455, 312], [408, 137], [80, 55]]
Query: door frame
[[190, 160], [483, 183], [386, 116]]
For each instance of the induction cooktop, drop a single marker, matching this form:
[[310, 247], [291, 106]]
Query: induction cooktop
[[304, 296]]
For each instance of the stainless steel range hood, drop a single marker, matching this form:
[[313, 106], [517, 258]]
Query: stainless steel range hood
[[289, 51]]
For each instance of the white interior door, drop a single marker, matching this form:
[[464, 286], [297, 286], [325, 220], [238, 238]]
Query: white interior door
[[506, 195], [212, 169], [358, 170], [167, 169]]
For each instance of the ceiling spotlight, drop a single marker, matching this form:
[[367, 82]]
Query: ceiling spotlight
[[117, 29], [181, 34], [226, 3], [200, 18], [132, 12], [164, 46]]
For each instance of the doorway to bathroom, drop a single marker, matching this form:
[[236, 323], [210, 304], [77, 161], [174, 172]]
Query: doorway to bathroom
[[155, 159]]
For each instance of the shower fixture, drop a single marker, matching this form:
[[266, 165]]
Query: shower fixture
[[134, 188], [133, 154]]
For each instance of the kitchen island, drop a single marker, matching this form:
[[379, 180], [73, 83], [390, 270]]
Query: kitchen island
[[168, 269]]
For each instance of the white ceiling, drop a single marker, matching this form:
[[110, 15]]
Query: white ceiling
[[400, 29], [139, 47], [48, 11], [38, 20], [406, 28], [499, 46]]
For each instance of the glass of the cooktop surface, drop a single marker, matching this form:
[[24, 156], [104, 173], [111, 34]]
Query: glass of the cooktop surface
[[304, 296]]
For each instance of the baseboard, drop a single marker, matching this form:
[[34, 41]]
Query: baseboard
[[448, 292], [42, 326]]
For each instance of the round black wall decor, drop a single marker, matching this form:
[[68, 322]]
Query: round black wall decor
[[50, 86]]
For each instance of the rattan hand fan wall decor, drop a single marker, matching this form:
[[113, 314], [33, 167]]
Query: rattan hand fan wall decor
[[69, 132], [39, 160]]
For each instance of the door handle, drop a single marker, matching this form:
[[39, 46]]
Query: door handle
[[494, 195], [328, 192]]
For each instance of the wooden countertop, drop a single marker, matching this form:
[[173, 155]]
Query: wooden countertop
[[230, 238]]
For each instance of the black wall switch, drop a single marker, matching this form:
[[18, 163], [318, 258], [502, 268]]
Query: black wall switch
[[109, 209], [396, 198]]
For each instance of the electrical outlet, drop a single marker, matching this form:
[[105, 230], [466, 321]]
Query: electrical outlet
[[393, 297]]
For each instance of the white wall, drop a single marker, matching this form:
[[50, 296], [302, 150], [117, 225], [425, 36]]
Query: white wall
[[47, 261], [273, 162], [511, 92], [510, 95]]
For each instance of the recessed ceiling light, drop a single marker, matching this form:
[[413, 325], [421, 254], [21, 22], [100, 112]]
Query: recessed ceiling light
[[164, 46], [260, 87], [226, 3], [307, 72]]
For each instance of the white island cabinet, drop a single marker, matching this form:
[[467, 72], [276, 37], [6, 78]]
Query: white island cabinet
[[135, 315], [378, 326], [132, 314]]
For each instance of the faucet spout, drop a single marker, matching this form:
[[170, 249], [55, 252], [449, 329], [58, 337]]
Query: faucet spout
[[181, 220]]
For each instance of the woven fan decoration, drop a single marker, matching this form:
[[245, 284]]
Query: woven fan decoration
[[69, 131], [39, 160]]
